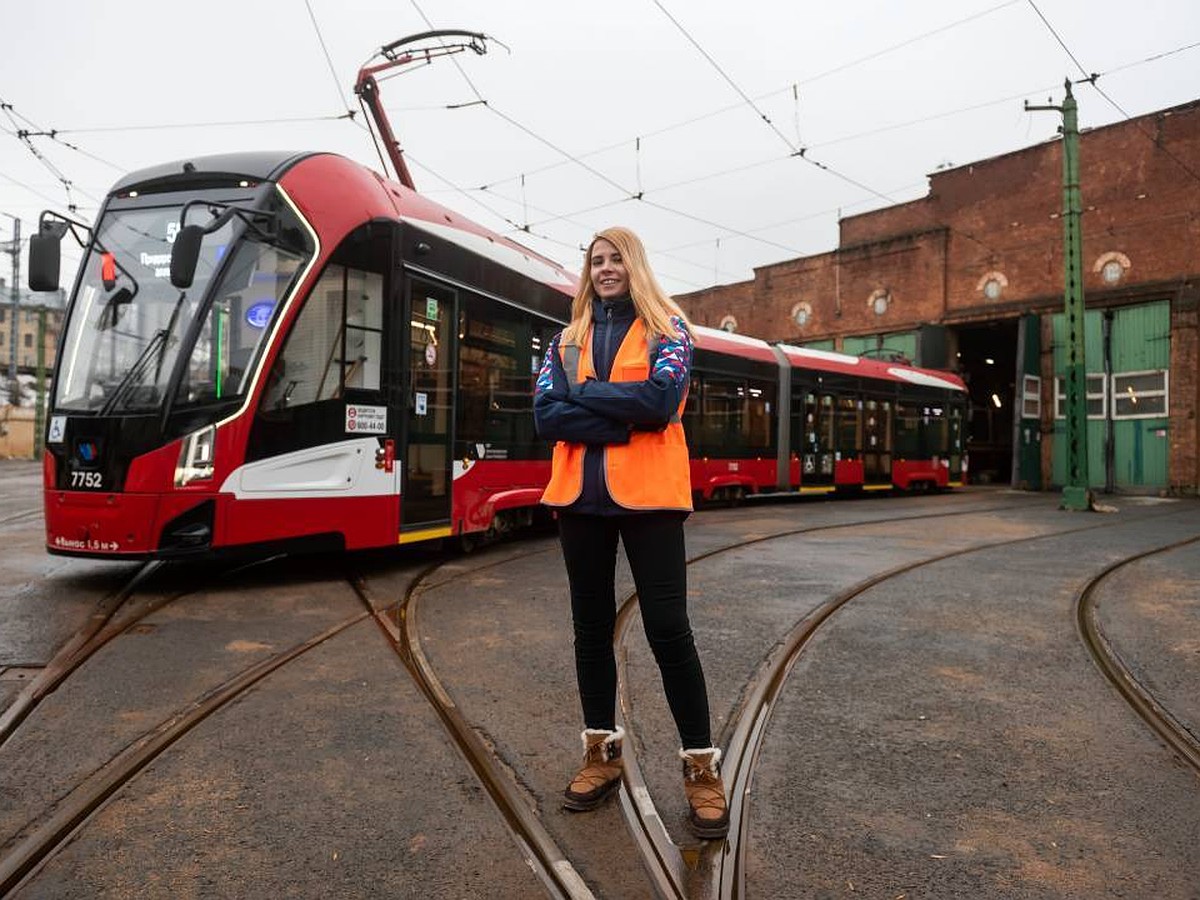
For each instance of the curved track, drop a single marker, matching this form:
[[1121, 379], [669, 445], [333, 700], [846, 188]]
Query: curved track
[[713, 869], [720, 865], [1174, 733], [399, 625]]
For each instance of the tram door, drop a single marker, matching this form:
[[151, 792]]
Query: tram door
[[817, 441], [877, 445], [429, 396]]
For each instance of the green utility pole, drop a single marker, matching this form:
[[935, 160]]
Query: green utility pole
[[15, 249], [39, 415], [1076, 495]]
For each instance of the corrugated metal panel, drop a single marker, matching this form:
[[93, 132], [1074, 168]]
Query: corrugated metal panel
[[854, 346], [1142, 337], [1028, 437], [873, 345], [818, 345], [1141, 342], [904, 343], [1093, 354]]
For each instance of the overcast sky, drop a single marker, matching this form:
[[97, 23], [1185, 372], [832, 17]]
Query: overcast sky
[[700, 107]]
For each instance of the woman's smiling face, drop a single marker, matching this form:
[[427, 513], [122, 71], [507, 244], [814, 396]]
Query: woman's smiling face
[[608, 273]]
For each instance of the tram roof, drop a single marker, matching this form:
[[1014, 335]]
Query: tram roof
[[845, 364], [260, 165]]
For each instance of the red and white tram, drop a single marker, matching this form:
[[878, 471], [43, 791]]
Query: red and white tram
[[350, 365], [288, 349]]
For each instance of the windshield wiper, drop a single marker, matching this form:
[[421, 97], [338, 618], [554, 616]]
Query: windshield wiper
[[135, 371]]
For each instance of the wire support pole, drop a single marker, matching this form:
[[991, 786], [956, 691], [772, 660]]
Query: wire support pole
[[15, 299], [1077, 494]]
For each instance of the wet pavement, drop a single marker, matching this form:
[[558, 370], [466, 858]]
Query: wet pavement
[[944, 734]]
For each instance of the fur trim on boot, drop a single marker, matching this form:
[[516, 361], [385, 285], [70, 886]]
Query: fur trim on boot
[[708, 813], [601, 771]]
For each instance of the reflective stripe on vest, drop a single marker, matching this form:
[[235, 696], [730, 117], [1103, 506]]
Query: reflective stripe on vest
[[652, 471]]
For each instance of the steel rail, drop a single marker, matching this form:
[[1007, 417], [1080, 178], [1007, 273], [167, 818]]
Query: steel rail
[[666, 864], [1177, 736], [728, 880], [672, 873], [538, 847], [23, 514], [101, 627], [95, 633], [47, 838]]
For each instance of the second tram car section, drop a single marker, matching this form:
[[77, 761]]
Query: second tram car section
[[288, 349]]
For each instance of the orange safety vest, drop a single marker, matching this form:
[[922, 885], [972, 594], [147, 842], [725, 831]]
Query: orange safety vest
[[652, 471]]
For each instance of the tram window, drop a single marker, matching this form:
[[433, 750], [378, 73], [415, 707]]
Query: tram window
[[237, 322], [335, 342], [500, 353], [692, 420], [364, 329], [908, 430], [849, 426], [736, 417], [720, 415], [877, 427], [759, 430], [935, 428]]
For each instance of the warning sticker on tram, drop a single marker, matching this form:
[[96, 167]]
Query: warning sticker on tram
[[366, 419]]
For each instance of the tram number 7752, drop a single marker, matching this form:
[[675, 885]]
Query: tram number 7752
[[92, 480]]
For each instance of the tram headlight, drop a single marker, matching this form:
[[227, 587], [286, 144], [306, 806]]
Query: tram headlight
[[196, 457]]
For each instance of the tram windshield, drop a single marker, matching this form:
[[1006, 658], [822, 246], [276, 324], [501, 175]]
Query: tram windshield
[[129, 325]]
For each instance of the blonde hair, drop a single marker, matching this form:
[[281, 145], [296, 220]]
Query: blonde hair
[[650, 301]]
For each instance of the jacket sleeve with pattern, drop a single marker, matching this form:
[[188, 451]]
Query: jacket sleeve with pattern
[[558, 417], [650, 403]]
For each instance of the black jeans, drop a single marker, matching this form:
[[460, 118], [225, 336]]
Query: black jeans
[[654, 547]]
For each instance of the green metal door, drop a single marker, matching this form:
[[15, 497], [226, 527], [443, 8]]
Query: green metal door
[[1141, 357], [1093, 352], [1027, 424], [903, 343], [882, 346], [1131, 398], [856, 346]]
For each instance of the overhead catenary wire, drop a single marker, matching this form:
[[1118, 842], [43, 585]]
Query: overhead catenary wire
[[796, 151], [586, 228], [725, 75], [234, 123], [783, 90], [1092, 78], [602, 176], [328, 59]]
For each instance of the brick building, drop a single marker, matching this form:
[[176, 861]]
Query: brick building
[[970, 277], [23, 318]]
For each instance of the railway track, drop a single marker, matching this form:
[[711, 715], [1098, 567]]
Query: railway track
[[718, 868], [1177, 736], [20, 516], [399, 624], [112, 617], [51, 831]]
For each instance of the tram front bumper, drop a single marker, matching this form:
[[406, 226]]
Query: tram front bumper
[[104, 525]]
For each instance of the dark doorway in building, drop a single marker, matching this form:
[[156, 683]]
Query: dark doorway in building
[[987, 361]]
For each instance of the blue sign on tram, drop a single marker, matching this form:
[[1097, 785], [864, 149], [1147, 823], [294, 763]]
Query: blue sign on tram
[[259, 314]]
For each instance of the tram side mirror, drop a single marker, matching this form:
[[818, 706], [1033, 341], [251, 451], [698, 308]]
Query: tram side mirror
[[185, 254], [45, 261]]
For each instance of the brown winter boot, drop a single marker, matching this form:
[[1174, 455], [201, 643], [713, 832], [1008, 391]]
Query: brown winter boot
[[601, 770], [709, 815]]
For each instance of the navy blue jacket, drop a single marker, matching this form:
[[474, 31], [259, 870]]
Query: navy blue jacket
[[599, 412]]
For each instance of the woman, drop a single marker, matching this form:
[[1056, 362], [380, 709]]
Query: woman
[[610, 393]]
